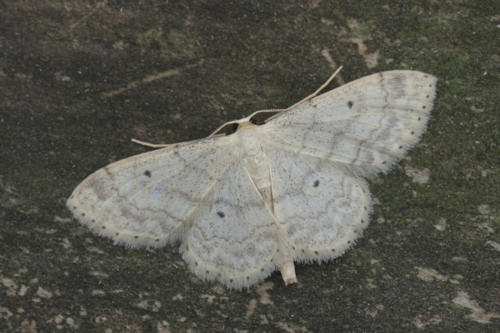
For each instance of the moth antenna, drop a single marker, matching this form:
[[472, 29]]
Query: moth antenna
[[327, 82], [151, 145]]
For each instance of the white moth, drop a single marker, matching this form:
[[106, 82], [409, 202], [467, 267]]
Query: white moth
[[246, 204]]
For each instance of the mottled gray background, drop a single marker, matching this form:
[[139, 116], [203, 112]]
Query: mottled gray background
[[79, 79]]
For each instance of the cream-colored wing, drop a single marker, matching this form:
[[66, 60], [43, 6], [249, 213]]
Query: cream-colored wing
[[234, 236], [196, 192], [367, 124], [147, 199], [321, 208]]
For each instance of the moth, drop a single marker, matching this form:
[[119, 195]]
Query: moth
[[246, 204]]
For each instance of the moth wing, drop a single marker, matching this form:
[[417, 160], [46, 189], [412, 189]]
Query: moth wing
[[146, 199], [320, 208], [233, 238], [368, 124]]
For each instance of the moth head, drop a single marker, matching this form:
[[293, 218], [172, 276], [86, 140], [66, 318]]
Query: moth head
[[255, 119]]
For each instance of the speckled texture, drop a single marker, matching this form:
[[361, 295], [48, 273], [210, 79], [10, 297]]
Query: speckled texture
[[79, 79]]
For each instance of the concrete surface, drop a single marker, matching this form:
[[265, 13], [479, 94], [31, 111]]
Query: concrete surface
[[79, 79]]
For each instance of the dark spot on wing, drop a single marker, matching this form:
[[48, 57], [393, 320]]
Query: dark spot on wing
[[398, 86], [147, 173], [350, 104], [221, 214], [100, 190], [316, 183], [106, 169], [130, 215]]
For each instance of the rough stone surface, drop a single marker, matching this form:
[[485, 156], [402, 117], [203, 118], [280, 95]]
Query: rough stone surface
[[78, 80]]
